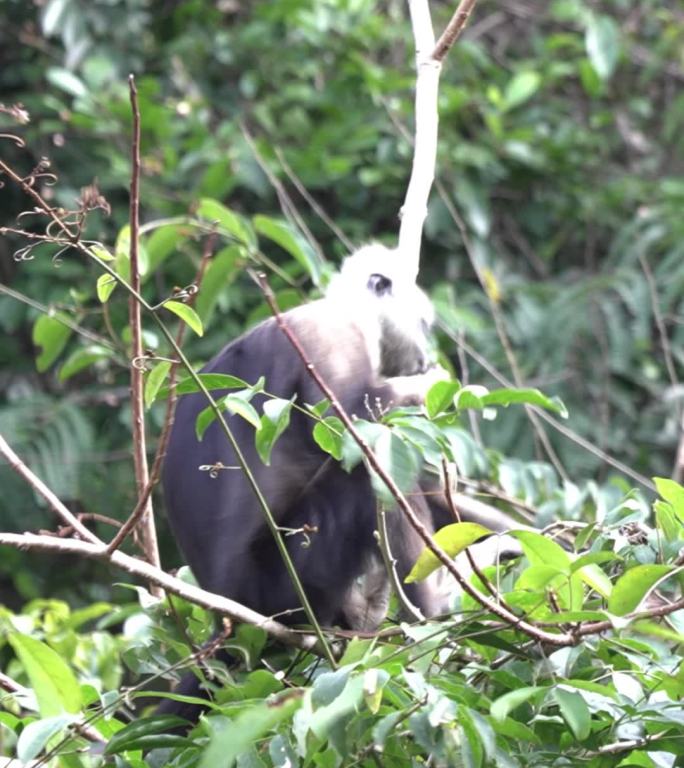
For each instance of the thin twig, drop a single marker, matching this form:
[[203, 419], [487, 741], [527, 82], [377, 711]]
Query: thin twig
[[453, 29], [42, 490], [142, 474], [391, 567], [286, 203], [313, 203]]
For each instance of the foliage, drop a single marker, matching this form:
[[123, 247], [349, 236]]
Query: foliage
[[558, 218]]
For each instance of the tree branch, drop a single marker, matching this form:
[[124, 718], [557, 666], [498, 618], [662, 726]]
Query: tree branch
[[154, 575], [142, 474], [42, 490]]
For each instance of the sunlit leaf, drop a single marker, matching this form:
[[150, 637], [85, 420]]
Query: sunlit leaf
[[631, 588], [452, 539], [51, 334], [154, 379], [187, 314], [53, 682]]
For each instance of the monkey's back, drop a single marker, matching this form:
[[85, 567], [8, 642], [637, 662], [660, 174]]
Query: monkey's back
[[218, 522]]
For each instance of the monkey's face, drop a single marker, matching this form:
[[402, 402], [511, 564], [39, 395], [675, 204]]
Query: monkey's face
[[374, 282]]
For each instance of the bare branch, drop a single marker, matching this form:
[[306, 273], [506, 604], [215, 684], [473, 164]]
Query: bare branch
[[142, 474], [453, 29], [42, 490], [153, 575]]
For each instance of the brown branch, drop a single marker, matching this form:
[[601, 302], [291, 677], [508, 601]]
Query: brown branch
[[402, 502], [453, 29], [42, 490], [155, 472], [142, 475], [154, 575]]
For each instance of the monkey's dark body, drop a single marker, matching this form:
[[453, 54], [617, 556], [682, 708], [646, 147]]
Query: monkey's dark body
[[218, 522]]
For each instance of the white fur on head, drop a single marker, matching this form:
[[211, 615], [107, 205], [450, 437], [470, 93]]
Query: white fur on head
[[405, 309]]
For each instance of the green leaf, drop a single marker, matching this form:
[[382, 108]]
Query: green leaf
[[290, 240], [631, 588], [540, 550], [228, 220], [51, 334], [251, 725], [328, 436], [212, 382], [273, 423], [521, 88], [82, 358], [504, 705], [673, 493], [399, 459], [602, 41], [101, 253], [575, 712], [348, 701], [67, 81], [221, 271], [452, 539], [104, 286], [36, 735], [440, 397], [148, 733], [154, 379], [506, 397], [160, 244], [54, 684], [595, 577], [236, 404], [187, 314]]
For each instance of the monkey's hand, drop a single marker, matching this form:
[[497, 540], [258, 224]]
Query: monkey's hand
[[412, 390]]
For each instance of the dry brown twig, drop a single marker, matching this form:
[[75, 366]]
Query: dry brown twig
[[142, 475]]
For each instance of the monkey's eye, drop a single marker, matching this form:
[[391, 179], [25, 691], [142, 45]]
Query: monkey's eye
[[379, 284]]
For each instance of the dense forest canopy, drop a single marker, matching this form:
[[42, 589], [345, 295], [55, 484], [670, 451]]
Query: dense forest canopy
[[553, 252]]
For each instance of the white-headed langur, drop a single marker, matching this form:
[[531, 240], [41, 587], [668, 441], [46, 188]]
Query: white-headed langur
[[369, 340]]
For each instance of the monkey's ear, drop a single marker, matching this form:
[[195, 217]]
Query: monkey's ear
[[379, 284]]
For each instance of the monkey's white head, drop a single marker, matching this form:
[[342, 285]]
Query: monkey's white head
[[378, 292]]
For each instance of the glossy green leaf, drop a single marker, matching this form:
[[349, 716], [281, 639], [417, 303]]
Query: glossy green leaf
[[53, 682], [328, 436], [187, 314], [504, 705], [104, 286], [541, 550], [82, 358], [631, 588], [440, 397], [222, 270], [452, 539], [228, 220], [154, 379], [290, 240], [603, 44], [575, 712], [520, 89], [273, 423], [147, 733], [230, 740], [35, 736], [673, 493], [51, 334]]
